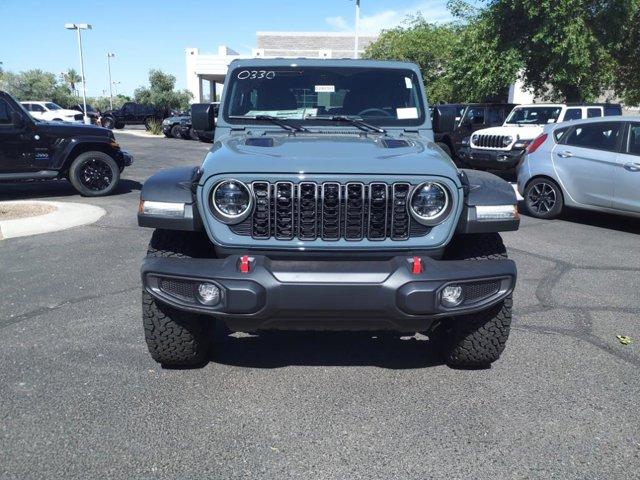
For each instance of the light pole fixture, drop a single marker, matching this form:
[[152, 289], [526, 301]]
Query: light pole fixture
[[78, 27], [109, 57]]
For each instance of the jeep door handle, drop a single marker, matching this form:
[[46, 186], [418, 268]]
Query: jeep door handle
[[565, 154], [632, 167]]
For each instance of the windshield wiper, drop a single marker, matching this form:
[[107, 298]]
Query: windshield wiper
[[356, 122], [275, 120]]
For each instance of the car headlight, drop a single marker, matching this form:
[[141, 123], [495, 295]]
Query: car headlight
[[232, 201], [165, 123], [506, 141], [430, 203], [474, 138]]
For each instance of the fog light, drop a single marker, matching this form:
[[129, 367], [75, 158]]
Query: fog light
[[208, 293], [452, 296]]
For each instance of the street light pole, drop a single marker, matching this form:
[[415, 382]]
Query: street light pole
[[356, 48], [109, 57], [78, 27]]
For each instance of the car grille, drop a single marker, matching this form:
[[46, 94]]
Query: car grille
[[330, 211], [490, 141], [478, 291]]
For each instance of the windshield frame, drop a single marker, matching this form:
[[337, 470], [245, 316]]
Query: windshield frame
[[55, 106], [323, 120]]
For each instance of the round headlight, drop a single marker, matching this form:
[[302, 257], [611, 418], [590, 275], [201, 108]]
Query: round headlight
[[232, 201], [474, 137], [506, 141], [430, 203]]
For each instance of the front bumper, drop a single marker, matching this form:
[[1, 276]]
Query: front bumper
[[490, 159], [166, 129], [335, 295], [126, 158]]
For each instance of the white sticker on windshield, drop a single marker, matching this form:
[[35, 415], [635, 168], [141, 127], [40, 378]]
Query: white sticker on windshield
[[407, 113], [325, 89], [408, 82]]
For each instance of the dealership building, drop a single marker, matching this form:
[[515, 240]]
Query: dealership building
[[206, 71]]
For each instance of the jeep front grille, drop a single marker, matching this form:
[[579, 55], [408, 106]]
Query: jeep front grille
[[330, 211], [490, 141]]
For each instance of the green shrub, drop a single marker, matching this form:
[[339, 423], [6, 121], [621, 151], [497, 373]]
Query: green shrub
[[155, 127]]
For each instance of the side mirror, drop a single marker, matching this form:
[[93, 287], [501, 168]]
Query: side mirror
[[444, 119], [203, 117], [17, 120]]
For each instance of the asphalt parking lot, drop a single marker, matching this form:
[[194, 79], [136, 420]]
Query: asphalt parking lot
[[81, 398]]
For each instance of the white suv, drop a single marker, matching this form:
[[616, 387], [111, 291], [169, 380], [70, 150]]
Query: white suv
[[502, 147], [52, 112]]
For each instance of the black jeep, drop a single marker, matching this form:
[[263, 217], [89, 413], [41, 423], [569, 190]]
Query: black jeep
[[30, 149], [132, 113]]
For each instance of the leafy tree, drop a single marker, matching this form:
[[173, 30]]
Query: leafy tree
[[428, 45], [72, 78], [161, 92], [36, 85], [573, 46]]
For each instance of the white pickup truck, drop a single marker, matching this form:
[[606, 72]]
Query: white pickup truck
[[501, 148]]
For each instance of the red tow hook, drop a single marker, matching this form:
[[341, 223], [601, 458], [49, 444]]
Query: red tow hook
[[416, 265], [245, 264]]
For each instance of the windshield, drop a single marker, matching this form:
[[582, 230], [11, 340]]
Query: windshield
[[533, 115], [52, 106], [315, 94]]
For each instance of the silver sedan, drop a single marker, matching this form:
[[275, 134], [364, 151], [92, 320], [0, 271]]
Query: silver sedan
[[592, 164]]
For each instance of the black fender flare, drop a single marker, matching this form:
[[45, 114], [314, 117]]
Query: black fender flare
[[486, 189], [67, 149], [171, 186]]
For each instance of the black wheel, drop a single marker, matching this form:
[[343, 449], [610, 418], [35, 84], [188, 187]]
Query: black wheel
[[445, 148], [193, 134], [177, 338], [175, 131], [120, 125], [543, 198], [475, 340], [109, 122], [94, 174]]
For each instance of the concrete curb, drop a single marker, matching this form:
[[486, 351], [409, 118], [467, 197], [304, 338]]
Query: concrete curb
[[138, 133], [66, 215]]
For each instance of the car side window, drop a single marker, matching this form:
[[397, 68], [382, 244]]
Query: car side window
[[5, 114], [560, 134], [599, 136], [593, 112], [495, 115], [476, 115], [37, 108], [611, 110], [573, 114], [633, 141]]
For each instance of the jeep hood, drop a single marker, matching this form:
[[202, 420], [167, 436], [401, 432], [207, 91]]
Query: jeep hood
[[330, 154], [525, 132], [62, 129]]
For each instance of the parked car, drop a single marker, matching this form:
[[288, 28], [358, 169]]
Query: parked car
[[202, 135], [51, 112], [503, 147], [452, 123], [132, 113], [303, 218], [171, 125], [31, 149], [93, 114], [592, 164]]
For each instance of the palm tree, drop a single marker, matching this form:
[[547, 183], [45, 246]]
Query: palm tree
[[72, 78]]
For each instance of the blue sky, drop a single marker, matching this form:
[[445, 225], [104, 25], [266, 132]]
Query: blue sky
[[147, 34]]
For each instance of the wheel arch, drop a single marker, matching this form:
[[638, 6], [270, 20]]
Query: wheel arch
[[547, 177], [83, 147]]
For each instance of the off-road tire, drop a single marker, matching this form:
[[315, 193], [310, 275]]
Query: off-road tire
[[175, 131], [176, 338], [75, 173], [193, 134], [120, 125], [108, 122], [476, 340]]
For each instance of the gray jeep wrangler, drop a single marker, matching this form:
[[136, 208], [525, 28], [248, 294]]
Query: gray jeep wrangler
[[325, 205]]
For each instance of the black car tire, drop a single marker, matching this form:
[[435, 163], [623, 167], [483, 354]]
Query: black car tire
[[184, 134], [109, 122], [476, 340], [193, 134], [175, 131], [177, 338], [543, 198], [94, 174], [120, 125], [445, 148]]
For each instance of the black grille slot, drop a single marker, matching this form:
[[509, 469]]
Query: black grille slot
[[379, 197], [184, 290], [308, 211], [354, 211], [331, 200], [284, 210], [489, 141], [477, 291], [261, 227], [400, 220]]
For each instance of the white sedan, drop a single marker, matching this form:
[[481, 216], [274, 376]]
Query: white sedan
[[52, 112]]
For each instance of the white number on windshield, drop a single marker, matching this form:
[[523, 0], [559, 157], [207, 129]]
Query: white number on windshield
[[256, 75]]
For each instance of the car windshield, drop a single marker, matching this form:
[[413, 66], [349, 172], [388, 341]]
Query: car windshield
[[383, 96], [52, 106], [533, 115]]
